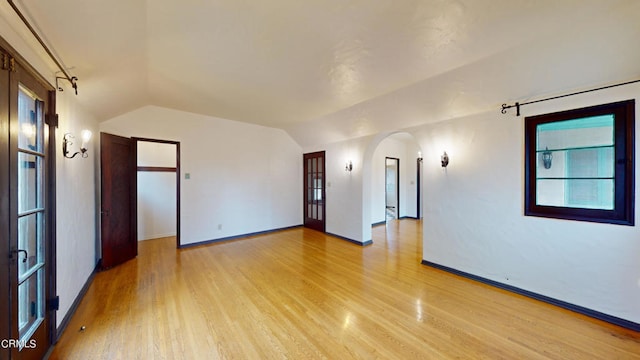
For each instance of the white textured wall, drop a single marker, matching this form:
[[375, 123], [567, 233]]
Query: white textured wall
[[156, 154], [77, 186], [243, 178], [474, 218]]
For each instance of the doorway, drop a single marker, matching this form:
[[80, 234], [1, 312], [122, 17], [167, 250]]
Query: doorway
[[314, 191], [392, 188], [158, 198]]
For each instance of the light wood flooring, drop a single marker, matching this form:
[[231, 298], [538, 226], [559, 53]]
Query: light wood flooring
[[300, 294]]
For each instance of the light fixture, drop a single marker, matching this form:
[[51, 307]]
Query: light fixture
[[547, 156], [444, 159], [66, 142], [420, 156], [348, 166]]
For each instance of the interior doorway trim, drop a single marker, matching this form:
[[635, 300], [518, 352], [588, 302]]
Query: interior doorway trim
[[419, 188], [166, 169], [314, 178], [397, 207]]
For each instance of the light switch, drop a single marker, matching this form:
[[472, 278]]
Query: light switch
[[187, 176]]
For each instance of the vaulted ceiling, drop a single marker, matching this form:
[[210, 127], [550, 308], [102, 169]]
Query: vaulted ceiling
[[287, 63]]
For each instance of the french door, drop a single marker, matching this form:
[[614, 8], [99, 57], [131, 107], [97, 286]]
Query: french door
[[314, 191], [26, 220]]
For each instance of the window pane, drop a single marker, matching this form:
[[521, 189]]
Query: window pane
[[577, 133], [30, 136], [576, 193], [30, 239], [31, 304], [575, 163], [590, 163], [29, 182], [581, 163]]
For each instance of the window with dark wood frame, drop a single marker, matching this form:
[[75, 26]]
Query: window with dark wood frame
[[579, 164]]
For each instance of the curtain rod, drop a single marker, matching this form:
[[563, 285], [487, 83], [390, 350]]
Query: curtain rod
[[72, 79], [517, 104]]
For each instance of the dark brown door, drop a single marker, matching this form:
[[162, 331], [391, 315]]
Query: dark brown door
[[314, 194], [119, 208]]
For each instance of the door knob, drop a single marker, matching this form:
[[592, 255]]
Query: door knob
[[26, 255]]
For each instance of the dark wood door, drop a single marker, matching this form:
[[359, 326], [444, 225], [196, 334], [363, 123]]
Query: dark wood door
[[314, 191], [119, 208]]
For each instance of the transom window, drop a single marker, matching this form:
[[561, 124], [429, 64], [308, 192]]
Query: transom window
[[579, 164]]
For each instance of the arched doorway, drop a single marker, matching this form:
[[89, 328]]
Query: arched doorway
[[403, 147]]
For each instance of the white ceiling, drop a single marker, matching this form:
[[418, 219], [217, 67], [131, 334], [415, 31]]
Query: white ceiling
[[289, 63]]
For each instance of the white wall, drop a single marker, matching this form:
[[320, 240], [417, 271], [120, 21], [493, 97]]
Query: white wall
[[156, 205], [77, 187], [243, 178]]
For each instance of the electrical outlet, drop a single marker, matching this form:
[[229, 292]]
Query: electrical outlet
[[219, 226]]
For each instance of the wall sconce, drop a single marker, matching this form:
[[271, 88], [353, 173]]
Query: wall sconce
[[66, 142], [348, 166], [547, 156], [444, 160]]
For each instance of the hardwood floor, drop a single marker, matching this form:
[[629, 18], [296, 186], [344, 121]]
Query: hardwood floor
[[303, 295]]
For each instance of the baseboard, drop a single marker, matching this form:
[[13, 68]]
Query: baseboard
[[158, 236], [563, 304], [400, 218], [366, 243], [76, 303], [235, 237]]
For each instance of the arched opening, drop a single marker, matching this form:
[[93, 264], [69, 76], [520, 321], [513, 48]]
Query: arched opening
[[400, 197]]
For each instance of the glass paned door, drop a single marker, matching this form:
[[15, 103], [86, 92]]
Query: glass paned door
[[31, 214], [26, 222], [314, 190]]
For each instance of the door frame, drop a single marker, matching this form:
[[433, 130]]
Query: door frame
[[397, 160], [323, 225], [419, 188], [177, 170]]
